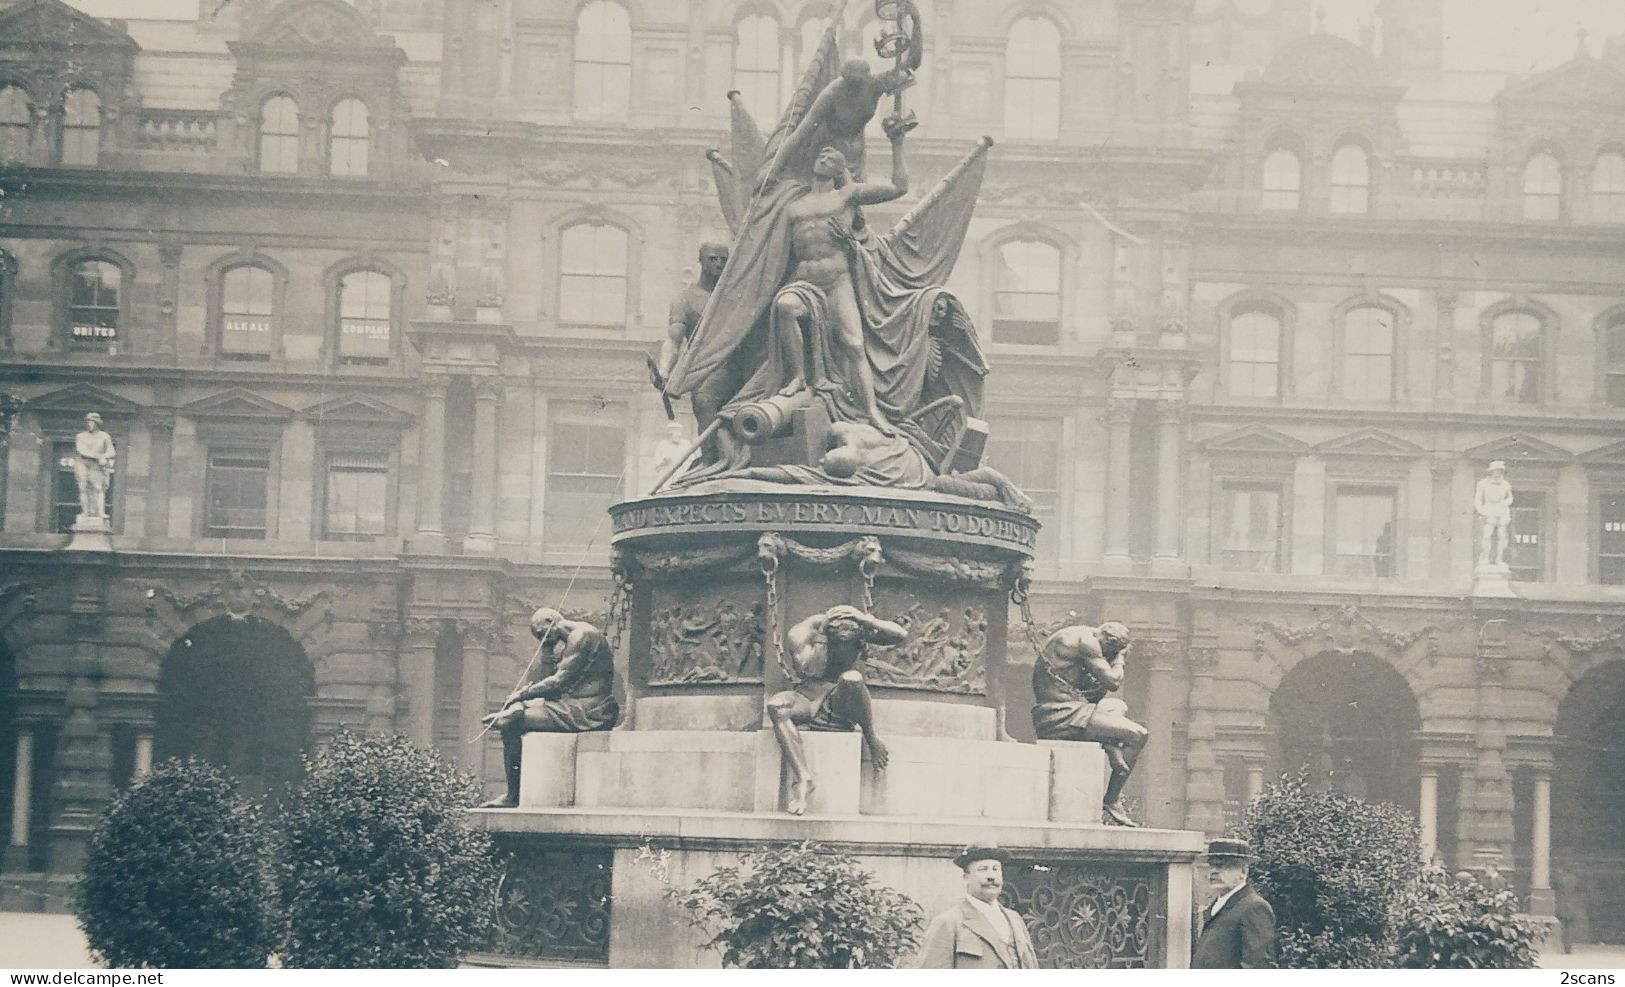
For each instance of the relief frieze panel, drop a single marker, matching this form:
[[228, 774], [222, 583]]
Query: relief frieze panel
[[946, 650], [719, 640]]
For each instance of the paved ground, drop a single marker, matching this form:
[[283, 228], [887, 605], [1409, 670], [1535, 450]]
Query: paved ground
[[1586, 957]]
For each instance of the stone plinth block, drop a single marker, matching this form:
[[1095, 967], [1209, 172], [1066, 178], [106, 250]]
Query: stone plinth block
[[698, 712], [667, 769], [922, 718], [1077, 781], [942, 778], [836, 760], [547, 770]]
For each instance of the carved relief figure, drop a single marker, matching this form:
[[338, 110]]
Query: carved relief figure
[[827, 650], [1492, 502], [707, 643], [1076, 669], [568, 690], [93, 465], [938, 654]]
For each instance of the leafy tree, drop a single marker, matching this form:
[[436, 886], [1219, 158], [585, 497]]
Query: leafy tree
[[177, 875], [380, 865], [1450, 924], [1334, 868], [802, 907]]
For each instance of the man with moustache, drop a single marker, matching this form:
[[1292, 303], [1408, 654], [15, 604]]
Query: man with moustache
[[1238, 927], [978, 933]]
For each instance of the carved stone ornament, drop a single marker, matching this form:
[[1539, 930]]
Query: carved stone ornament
[[1345, 631], [711, 642], [945, 651], [237, 594]]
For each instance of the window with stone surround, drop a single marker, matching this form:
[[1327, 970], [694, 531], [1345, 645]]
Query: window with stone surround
[[14, 125], [356, 496], [603, 63], [1543, 188], [757, 67], [1283, 181], [1027, 293], [81, 134], [349, 139], [1611, 536], [1613, 360], [586, 455], [1364, 531], [593, 275], [1250, 527], [366, 318], [278, 151], [1526, 536], [245, 322], [1368, 348], [237, 493], [93, 310], [1028, 452], [1032, 80], [1351, 180], [1608, 188], [1253, 353], [1514, 355]]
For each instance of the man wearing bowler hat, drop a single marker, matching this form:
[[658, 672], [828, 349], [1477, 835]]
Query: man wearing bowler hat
[[978, 933], [1238, 928]]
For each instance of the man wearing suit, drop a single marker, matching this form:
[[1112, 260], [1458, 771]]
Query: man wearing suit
[[978, 933], [1238, 928]]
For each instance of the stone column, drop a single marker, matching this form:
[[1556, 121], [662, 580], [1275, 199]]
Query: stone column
[[431, 536], [161, 443], [1204, 784], [473, 704], [1255, 781], [1170, 503], [1541, 899], [1158, 762], [22, 802], [143, 755], [1119, 419], [482, 536], [1428, 812], [417, 680]]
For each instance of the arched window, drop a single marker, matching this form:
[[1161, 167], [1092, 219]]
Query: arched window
[[1514, 356], [1027, 294], [1608, 188], [13, 125], [1543, 189], [81, 128], [603, 62], [1368, 354], [349, 139], [1613, 362], [1283, 181], [592, 275], [246, 296], [93, 310], [812, 34], [1254, 353], [1351, 180], [279, 135], [366, 318], [756, 67], [1032, 80]]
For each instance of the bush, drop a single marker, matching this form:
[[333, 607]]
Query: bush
[[803, 908], [380, 865], [1447, 924], [177, 875], [1334, 868]]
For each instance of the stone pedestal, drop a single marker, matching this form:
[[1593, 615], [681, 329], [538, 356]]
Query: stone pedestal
[[547, 775], [1493, 580], [1077, 781], [91, 534]]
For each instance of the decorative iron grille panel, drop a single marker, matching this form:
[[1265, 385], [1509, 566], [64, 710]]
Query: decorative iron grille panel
[[1085, 916], [554, 904]]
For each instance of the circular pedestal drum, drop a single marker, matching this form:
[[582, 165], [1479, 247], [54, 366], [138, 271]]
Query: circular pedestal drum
[[717, 578]]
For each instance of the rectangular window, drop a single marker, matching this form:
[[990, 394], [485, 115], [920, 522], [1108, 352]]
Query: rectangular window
[[1611, 538], [1028, 452], [1364, 534], [585, 457], [65, 489], [245, 313], [1250, 527], [1368, 354], [357, 496], [237, 493], [1526, 537]]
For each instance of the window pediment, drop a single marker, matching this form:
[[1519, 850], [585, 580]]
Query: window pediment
[[356, 409], [1520, 449], [1254, 440], [238, 404], [52, 24], [321, 24], [73, 402], [1373, 442]]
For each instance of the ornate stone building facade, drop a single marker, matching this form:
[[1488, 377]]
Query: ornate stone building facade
[[363, 292]]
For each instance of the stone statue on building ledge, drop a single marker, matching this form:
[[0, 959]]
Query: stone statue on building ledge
[[94, 460], [1075, 670], [567, 689], [1492, 503]]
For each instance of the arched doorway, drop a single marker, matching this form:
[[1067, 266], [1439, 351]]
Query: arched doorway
[[1588, 796], [237, 692], [1350, 721]]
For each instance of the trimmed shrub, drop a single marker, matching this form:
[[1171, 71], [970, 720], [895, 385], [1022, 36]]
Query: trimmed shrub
[[178, 875], [1448, 924], [803, 907], [380, 867], [1334, 868]]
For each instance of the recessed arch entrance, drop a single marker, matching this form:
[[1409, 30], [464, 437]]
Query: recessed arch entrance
[[237, 692], [1350, 721], [1588, 800]]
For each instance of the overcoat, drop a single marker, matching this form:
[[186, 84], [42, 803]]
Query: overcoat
[[961, 938], [1240, 937]]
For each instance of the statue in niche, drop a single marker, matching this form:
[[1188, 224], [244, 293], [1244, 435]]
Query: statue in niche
[[818, 322], [1492, 502], [94, 460], [566, 690], [1075, 670], [671, 450], [827, 651]]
